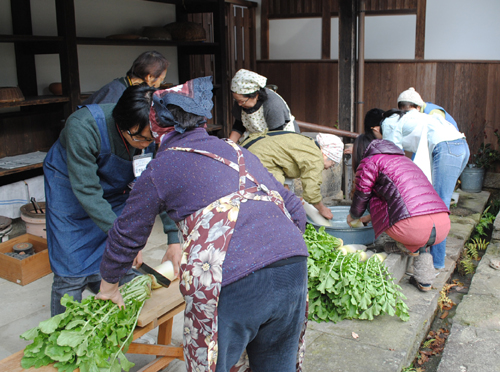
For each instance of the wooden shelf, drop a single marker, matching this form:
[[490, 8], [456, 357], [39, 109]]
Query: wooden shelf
[[145, 41], [5, 172], [33, 101], [29, 39]]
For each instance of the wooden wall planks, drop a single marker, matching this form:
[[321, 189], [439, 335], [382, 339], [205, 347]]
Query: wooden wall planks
[[469, 91]]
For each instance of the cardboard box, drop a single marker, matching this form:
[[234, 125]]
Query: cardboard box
[[29, 269]]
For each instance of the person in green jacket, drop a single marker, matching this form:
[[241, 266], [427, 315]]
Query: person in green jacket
[[89, 173], [292, 155]]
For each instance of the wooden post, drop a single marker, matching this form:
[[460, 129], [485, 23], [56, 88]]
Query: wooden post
[[347, 62], [264, 30], [326, 30], [420, 32], [68, 57]]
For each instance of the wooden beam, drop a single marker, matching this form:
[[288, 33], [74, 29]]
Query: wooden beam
[[347, 62], [68, 56], [420, 32], [326, 30], [264, 30]]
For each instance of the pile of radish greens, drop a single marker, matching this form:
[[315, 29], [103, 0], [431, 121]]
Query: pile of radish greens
[[343, 287], [93, 335]]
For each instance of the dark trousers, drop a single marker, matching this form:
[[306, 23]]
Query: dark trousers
[[263, 313]]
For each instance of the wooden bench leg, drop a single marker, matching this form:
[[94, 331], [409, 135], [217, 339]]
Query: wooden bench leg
[[165, 332]]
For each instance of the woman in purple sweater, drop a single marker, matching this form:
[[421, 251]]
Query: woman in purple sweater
[[242, 262], [402, 203]]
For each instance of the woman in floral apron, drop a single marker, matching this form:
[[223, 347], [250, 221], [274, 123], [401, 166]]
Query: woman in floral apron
[[257, 108], [242, 263]]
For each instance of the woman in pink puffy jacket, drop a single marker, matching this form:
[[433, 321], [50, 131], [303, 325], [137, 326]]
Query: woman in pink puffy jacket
[[402, 203]]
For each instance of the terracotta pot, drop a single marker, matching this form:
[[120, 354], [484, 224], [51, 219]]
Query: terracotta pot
[[56, 89]]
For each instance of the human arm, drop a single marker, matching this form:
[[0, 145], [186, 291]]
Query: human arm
[[131, 230], [82, 142], [174, 254], [323, 210], [235, 136], [365, 180], [276, 111]]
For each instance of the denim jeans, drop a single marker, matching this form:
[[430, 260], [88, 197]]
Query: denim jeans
[[449, 159], [75, 287], [263, 313]]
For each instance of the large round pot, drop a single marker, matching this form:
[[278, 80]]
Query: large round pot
[[472, 179], [340, 229]]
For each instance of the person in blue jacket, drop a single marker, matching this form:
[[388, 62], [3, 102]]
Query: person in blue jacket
[[411, 99], [88, 173], [150, 68]]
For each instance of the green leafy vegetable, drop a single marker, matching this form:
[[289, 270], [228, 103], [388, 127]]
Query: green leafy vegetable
[[343, 287], [92, 335]]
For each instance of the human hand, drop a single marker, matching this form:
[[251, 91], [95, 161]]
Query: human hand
[[323, 210], [366, 219], [349, 219], [174, 254], [110, 291], [137, 260]]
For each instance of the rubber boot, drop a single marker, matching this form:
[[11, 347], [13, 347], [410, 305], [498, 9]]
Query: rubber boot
[[423, 269]]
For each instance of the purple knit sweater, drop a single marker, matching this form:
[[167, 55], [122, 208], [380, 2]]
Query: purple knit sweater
[[182, 183]]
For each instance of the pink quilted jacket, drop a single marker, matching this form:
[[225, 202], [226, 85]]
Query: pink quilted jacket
[[394, 186]]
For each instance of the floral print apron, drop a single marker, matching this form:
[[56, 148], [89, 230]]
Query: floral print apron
[[206, 234], [256, 121]]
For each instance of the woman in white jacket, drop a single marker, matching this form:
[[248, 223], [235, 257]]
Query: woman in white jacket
[[441, 151]]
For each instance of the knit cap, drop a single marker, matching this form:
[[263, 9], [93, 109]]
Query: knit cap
[[412, 96]]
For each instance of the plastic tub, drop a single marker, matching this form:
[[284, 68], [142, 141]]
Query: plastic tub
[[340, 229]]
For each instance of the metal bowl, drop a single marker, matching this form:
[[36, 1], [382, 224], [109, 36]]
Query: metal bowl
[[340, 229]]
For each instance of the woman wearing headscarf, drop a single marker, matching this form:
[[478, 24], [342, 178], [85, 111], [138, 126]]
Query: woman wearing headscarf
[[242, 231], [293, 155], [441, 152], [257, 108], [88, 174]]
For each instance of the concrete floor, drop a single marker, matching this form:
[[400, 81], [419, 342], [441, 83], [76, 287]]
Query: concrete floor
[[23, 307]]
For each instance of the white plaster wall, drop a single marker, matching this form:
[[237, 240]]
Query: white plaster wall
[[462, 29], [390, 37], [295, 38]]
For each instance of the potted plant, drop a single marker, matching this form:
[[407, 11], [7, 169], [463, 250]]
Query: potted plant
[[473, 175]]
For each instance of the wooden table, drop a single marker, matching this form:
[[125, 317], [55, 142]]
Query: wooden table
[[159, 311]]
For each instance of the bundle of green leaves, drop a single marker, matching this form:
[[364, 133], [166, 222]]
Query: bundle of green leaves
[[92, 335], [343, 287]]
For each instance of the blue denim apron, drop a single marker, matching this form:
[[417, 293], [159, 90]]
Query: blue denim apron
[[76, 244]]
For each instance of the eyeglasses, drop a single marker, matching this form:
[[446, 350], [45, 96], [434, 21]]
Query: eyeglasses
[[139, 138], [242, 102]]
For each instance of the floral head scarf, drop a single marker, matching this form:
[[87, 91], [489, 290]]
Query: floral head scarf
[[331, 145], [245, 82], [194, 96]]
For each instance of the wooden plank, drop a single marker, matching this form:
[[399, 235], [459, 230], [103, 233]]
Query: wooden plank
[[445, 88], [406, 77], [347, 61], [239, 39], [326, 31], [426, 81], [388, 94], [160, 350], [420, 30], [492, 107], [161, 301], [264, 30]]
